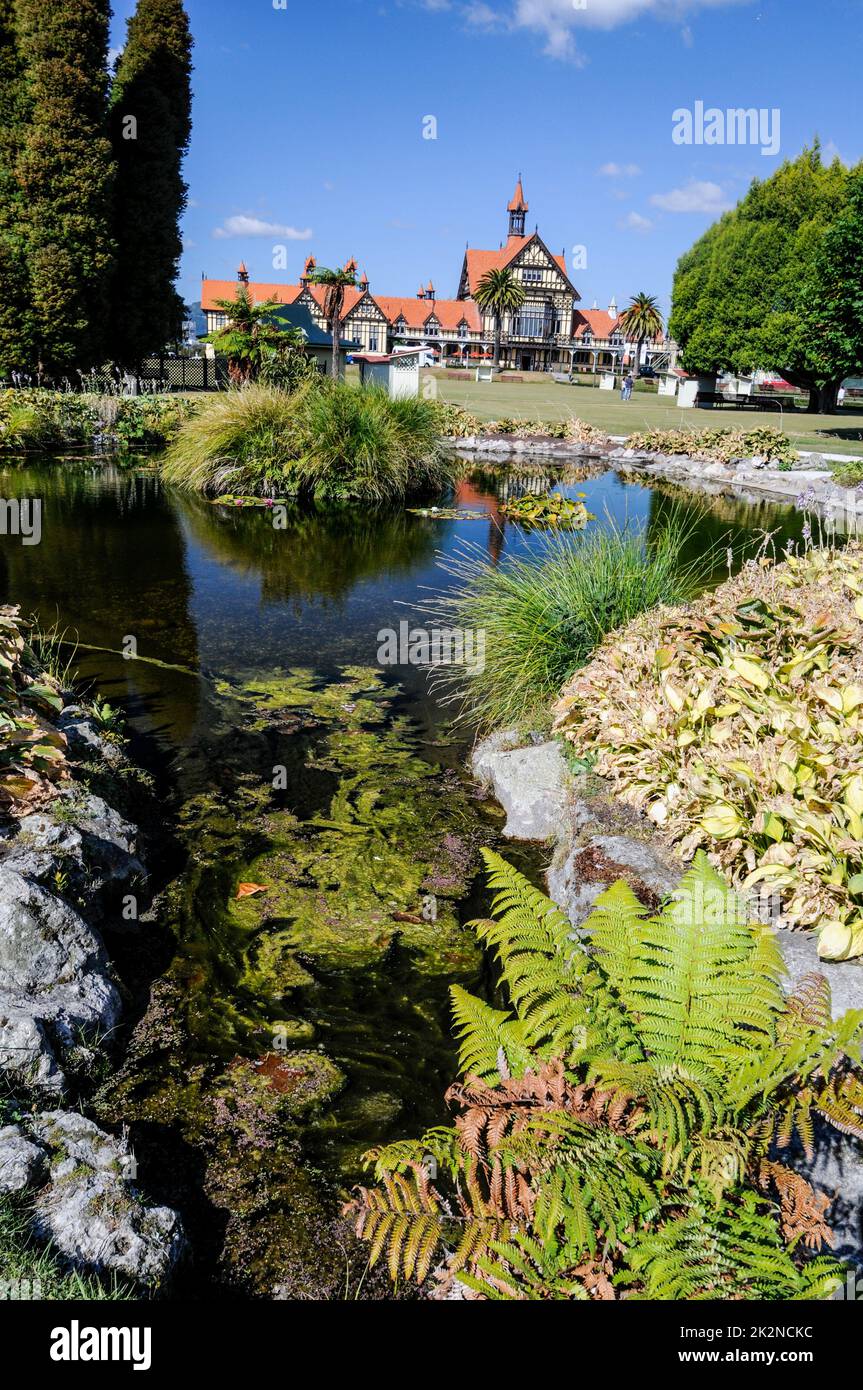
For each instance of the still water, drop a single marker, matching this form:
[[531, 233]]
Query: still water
[[255, 650]]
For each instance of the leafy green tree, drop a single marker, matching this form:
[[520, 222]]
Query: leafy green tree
[[739, 296], [150, 124], [254, 342], [499, 293], [66, 178], [642, 322], [621, 1123], [335, 283], [14, 279], [834, 298]]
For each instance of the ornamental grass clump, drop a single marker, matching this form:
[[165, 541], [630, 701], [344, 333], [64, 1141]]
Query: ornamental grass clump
[[325, 440], [736, 724], [544, 615]]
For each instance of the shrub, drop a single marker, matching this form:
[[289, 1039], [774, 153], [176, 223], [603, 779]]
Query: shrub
[[618, 1126], [325, 440], [40, 421], [32, 752], [735, 723], [719, 445], [544, 615], [456, 422]]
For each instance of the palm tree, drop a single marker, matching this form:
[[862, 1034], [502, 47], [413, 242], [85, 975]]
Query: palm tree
[[641, 320], [499, 293], [251, 335], [336, 282]]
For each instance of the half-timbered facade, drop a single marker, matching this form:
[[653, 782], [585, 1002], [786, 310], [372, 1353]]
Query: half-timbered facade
[[548, 332], [538, 335]]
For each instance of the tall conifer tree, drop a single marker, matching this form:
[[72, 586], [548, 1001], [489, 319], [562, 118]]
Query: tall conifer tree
[[66, 178], [15, 347], [150, 123]]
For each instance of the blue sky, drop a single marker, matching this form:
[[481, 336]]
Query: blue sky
[[576, 94]]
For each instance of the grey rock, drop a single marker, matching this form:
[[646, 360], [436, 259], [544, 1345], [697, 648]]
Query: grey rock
[[26, 1056], [579, 873], [84, 737], [21, 1161], [532, 785], [96, 1219], [800, 951], [52, 964]]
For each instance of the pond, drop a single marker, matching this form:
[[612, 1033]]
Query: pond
[[287, 760]]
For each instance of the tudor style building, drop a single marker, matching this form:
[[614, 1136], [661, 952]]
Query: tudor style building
[[548, 332], [539, 334]]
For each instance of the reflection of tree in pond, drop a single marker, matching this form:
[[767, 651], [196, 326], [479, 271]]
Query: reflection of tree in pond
[[715, 523], [319, 555], [111, 564]]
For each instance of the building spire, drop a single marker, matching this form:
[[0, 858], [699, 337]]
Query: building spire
[[517, 209]]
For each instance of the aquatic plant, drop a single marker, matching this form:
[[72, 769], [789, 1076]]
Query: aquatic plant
[[618, 1125], [548, 509], [735, 724], [328, 441], [544, 615]]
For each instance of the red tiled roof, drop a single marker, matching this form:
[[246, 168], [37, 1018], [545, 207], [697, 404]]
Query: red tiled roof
[[479, 262], [595, 321], [211, 290], [416, 312]]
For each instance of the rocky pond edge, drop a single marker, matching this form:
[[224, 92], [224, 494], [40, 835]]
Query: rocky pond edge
[[750, 479], [64, 871]]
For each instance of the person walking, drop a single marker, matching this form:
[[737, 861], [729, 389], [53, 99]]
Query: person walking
[[627, 387]]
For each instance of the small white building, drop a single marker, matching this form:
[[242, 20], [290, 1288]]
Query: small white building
[[398, 372]]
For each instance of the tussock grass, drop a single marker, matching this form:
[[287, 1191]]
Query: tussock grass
[[330, 441], [543, 616]]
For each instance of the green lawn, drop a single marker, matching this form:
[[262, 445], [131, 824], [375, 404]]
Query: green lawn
[[539, 397]]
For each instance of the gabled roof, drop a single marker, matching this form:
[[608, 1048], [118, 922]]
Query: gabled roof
[[417, 312], [211, 290], [595, 321], [477, 263]]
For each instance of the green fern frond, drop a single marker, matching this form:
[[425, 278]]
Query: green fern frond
[[491, 1043]]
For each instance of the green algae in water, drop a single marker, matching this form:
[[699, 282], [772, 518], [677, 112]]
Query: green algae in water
[[387, 863]]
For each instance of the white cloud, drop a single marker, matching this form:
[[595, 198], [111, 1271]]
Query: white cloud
[[636, 222], [696, 196], [557, 20], [244, 225], [619, 171]]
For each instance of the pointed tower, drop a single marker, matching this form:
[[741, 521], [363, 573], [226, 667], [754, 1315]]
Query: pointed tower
[[242, 273], [517, 210]]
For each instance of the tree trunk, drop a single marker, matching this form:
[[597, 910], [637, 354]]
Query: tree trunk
[[637, 372], [336, 327], [827, 397], [814, 400], [496, 353]]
